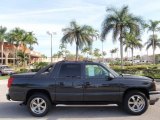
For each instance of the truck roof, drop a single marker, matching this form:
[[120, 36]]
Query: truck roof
[[84, 61]]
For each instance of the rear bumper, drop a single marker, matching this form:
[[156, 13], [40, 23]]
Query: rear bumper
[[154, 97]]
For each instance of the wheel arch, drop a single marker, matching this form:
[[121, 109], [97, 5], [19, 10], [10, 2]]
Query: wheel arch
[[143, 90], [37, 91]]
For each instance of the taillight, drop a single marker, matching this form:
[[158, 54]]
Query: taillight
[[10, 80]]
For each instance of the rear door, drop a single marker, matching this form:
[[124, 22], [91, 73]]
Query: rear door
[[69, 83]]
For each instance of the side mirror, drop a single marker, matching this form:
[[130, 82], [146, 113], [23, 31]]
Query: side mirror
[[109, 77]]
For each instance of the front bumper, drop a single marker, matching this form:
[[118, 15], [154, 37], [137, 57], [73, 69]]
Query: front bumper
[[154, 97], [7, 72], [8, 96]]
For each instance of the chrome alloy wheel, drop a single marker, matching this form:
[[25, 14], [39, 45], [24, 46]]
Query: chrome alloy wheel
[[136, 103], [38, 105]]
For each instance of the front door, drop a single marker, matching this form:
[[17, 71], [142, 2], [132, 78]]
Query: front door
[[69, 83], [98, 86]]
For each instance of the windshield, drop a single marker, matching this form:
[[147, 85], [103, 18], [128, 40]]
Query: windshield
[[112, 71], [4, 67]]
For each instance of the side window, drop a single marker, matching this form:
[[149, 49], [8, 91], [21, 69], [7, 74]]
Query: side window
[[70, 70], [95, 71]]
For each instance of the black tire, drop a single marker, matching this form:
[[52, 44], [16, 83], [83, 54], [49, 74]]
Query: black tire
[[120, 105], [133, 107], [43, 101]]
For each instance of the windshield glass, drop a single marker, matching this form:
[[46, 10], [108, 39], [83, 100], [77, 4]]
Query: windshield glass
[[4, 67], [112, 71]]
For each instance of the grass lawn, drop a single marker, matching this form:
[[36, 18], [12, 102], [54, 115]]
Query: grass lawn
[[4, 77]]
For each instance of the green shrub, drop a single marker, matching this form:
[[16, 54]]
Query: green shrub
[[23, 70], [40, 65], [143, 70]]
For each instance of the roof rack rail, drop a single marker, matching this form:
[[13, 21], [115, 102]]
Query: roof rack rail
[[87, 60]]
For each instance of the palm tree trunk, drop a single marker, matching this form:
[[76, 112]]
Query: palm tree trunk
[[16, 57], [132, 55], [121, 47], [29, 57], [24, 62], [2, 43], [154, 56], [153, 49], [76, 52], [121, 52], [77, 44], [147, 57]]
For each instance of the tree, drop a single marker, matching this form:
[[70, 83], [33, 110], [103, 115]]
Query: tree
[[63, 50], [30, 39], [116, 51], [120, 21], [43, 56], [15, 37], [104, 53], [2, 37], [23, 57], [153, 27], [81, 35], [86, 50], [131, 42], [97, 53], [153, 42], [112, 52]]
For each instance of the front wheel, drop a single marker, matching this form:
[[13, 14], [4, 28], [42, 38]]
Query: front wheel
[[135, 103], [38, 105]]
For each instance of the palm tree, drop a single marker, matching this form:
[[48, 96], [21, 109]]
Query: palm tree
[[112, 52], [120, 21], [30, 39], [81, 35], [131, 42], [15, 37], [23, 57], [116, 51], [86, 50], [153, 27], [153, 42], [63, 49], [97, 53], [2, 37]]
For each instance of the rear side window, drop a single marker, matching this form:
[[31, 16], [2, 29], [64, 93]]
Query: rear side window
[[70, 70]]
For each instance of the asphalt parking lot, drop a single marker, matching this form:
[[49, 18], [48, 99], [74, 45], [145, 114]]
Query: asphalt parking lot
[[12, 110]]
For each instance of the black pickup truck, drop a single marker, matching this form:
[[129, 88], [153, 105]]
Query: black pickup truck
[[82, 82]]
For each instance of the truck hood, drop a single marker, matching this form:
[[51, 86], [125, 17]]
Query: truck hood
[[28, 75], [127, 76]]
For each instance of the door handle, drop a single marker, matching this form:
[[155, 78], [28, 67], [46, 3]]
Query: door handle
[[87, 83], [61, 83]]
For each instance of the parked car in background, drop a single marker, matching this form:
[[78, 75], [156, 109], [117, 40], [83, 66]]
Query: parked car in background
[[6, 70]]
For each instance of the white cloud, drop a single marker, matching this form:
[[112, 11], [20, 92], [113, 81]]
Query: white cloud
[[59, 15]]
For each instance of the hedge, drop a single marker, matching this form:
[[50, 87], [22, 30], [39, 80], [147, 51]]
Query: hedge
[[154, 73]]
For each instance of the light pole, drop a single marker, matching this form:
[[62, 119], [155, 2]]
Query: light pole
[[51, 34]]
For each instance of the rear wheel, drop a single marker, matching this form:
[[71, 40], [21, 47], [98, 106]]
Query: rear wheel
[[38, 105], [135, 103]]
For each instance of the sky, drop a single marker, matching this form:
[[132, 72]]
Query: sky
[[41, 16]]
